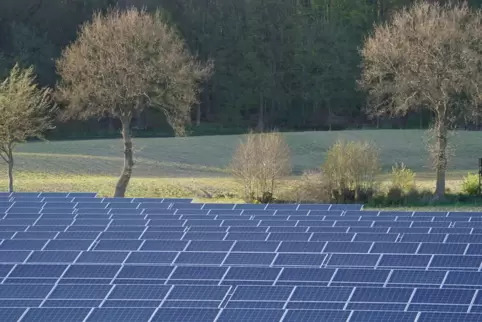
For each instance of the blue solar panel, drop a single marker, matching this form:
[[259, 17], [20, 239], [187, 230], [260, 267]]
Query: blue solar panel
[[230, 315], [145, 272], [185, 314], [24, 291], [85, 291], [151, 257], [316, 316], [464, 278], [223, 256], [13, 256], [353, 260], [139, 292], [307, 274], [412, 261], [443, 296], [321, 294], [53, 256], [200, 258], [380, 295], [383, 316], [200, 293], [299, 260], [449, 317], [118, 244], [252, 273], [121, 314], [347, 247], [256, 246], [454, 261], [11, 314], [56, 314], [65, 244], [91, 271], [394, 248], [257, 259], [210, 246], [361, 275], [38, 270]]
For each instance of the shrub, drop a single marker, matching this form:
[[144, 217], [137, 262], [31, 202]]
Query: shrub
[[312, 188], [402, 178], [351, 167], [395, 196], [470, 184], [259, 163]]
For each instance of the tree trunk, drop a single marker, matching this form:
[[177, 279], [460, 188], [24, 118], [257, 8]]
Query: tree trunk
[[10, 171], [440, 158], [121, 186]]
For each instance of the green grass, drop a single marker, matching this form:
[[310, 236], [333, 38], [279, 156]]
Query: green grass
[[196, 166]]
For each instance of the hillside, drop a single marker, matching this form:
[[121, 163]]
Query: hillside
[[209, 155]]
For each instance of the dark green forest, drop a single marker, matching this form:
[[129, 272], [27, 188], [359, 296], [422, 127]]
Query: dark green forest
[[286, 64]]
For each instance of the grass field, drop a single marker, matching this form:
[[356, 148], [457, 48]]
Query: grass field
[[196, 166]]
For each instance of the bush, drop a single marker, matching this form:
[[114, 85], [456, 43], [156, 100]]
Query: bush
[[349, 168], [470, 184], [312, 188], [402, 178], [259, 163], [395, 196]]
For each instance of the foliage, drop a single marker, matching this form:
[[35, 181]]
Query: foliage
[[351, 167], [470, 184], [25, 112], [311, 188], [402, 178], [123, 62], [427, 56], [259, 163]]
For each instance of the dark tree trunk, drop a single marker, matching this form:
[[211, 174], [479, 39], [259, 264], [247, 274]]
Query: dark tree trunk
[[125, 177], [10, 171], [440, 158]]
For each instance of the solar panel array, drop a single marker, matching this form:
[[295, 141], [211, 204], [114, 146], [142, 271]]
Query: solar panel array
[[77, 257]]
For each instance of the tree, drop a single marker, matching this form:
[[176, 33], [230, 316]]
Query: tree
[[25, 112], [426, 57], [259, 163], [124, 62]]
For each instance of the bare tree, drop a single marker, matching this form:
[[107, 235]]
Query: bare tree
[[426, 56], [260, 162], [25, 112], [124, 62]]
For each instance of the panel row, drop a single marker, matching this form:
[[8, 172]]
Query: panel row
[[161, 233], [241, 297], [235, 275], [110, 242], [223, 315]]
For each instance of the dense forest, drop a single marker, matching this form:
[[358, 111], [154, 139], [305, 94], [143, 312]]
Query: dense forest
[[289, 64]]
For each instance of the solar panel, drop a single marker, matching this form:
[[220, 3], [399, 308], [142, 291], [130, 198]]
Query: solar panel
[[139, 292], [53, 256], [56, 314], [184, 314], [85, 291], [121, 314], [382, 316], [151, 258], [147, 259], [316, 316], [200, 293], [229, 315]]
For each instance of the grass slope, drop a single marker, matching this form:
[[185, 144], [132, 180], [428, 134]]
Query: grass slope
[[198, 163]]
